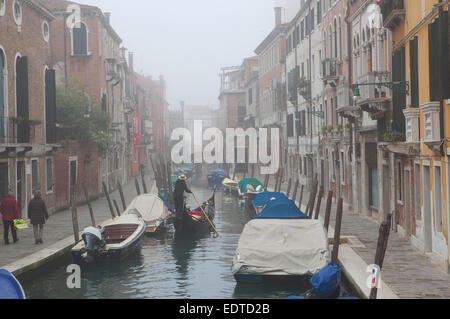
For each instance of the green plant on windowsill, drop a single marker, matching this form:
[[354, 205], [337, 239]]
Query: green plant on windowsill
[[23, 120], [330, 128], [393, 137]]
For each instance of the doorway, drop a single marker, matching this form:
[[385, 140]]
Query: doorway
[[427, 218], [4, 180], [21, 183]]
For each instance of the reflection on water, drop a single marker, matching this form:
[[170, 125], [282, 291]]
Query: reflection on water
[[169, 266]]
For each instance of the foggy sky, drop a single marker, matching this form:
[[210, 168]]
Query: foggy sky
[[188, 41]]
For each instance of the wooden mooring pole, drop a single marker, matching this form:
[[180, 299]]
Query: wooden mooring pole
[[276, 181], [111, 209], [91, 211], [138, 190], [326, 222], [301, 197], [117, 207], [266, 181], [122, 198], [144, 185], [319, 202], [337, 232], [76, 231], [383, 237], [288, 192], [313, 199], [294, 195]]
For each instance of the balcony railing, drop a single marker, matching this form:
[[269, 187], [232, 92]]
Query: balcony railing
[[329, 69], [17, 131], [393, 12]]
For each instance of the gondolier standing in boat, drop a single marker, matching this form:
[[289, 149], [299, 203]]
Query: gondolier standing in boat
[[178, 194]]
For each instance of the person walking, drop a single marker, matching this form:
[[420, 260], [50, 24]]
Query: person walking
[[10, 212], [178, 195], [37, 213]]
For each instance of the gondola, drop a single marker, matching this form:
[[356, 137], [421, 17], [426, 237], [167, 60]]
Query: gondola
[[114, 241], [194, 221]]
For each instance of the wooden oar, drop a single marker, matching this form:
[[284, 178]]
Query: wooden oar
[[204, 213]]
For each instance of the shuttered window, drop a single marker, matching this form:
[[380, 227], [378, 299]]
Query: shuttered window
[[104, 102], [438, 44], [50, 106], [23, 129], [414, 72], [79, 39], [399, 97], [290, 125]]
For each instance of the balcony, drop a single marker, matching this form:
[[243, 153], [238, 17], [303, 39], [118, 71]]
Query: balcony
[[17, 135], [393, 12], [345, 107], [329, 71], [304, 88], [373, 95], [112, 74]]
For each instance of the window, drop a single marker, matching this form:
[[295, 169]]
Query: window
[[3, 90], [2, 7], [79, 39], [399, 182], [290, 125], [319, 11], [333, 171], [438, 198], [414, 72], [342, 168], [438, 42], [250, 96], [49, 172], [35, 175], [17, 12], [45, 31]]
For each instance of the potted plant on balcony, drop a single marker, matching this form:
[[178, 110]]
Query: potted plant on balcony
[[394, 137], [330, 128]]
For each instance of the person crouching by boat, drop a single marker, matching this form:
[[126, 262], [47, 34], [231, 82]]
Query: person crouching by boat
[[178, 195], [37, 213], [10, 212]]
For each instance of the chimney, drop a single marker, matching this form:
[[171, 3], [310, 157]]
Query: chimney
[[131, 61], [107, 16], [278, 16]]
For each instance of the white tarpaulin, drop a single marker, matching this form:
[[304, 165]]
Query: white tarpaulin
[[281, 247], [151, 208]]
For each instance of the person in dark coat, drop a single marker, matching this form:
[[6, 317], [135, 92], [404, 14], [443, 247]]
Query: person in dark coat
[[178, 194], [10, 212], [37, 213]]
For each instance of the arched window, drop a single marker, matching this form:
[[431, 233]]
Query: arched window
[[335, 38], [330, 36], [324, 40], [22, 103], [79, 39]]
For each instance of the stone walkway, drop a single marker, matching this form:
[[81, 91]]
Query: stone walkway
[[59, 226], [408, 272]]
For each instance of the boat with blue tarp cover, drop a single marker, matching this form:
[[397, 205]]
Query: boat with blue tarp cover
[[281, 208], [215, 178], [10, 287]]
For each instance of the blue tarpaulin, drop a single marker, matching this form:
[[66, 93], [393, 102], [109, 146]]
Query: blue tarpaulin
[[262, 199], [282, 208], [326, 283]]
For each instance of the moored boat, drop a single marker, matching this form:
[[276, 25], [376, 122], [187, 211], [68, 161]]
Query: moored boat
[[262, 199], [115, 240], [153, 211], [276, 249], [10, 287]]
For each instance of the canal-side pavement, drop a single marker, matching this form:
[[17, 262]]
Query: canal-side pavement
[[409, 273], [58, 233]]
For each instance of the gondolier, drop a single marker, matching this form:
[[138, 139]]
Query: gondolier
[[180, 188]]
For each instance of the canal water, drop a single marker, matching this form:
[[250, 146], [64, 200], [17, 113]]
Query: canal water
[[168, 266]]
